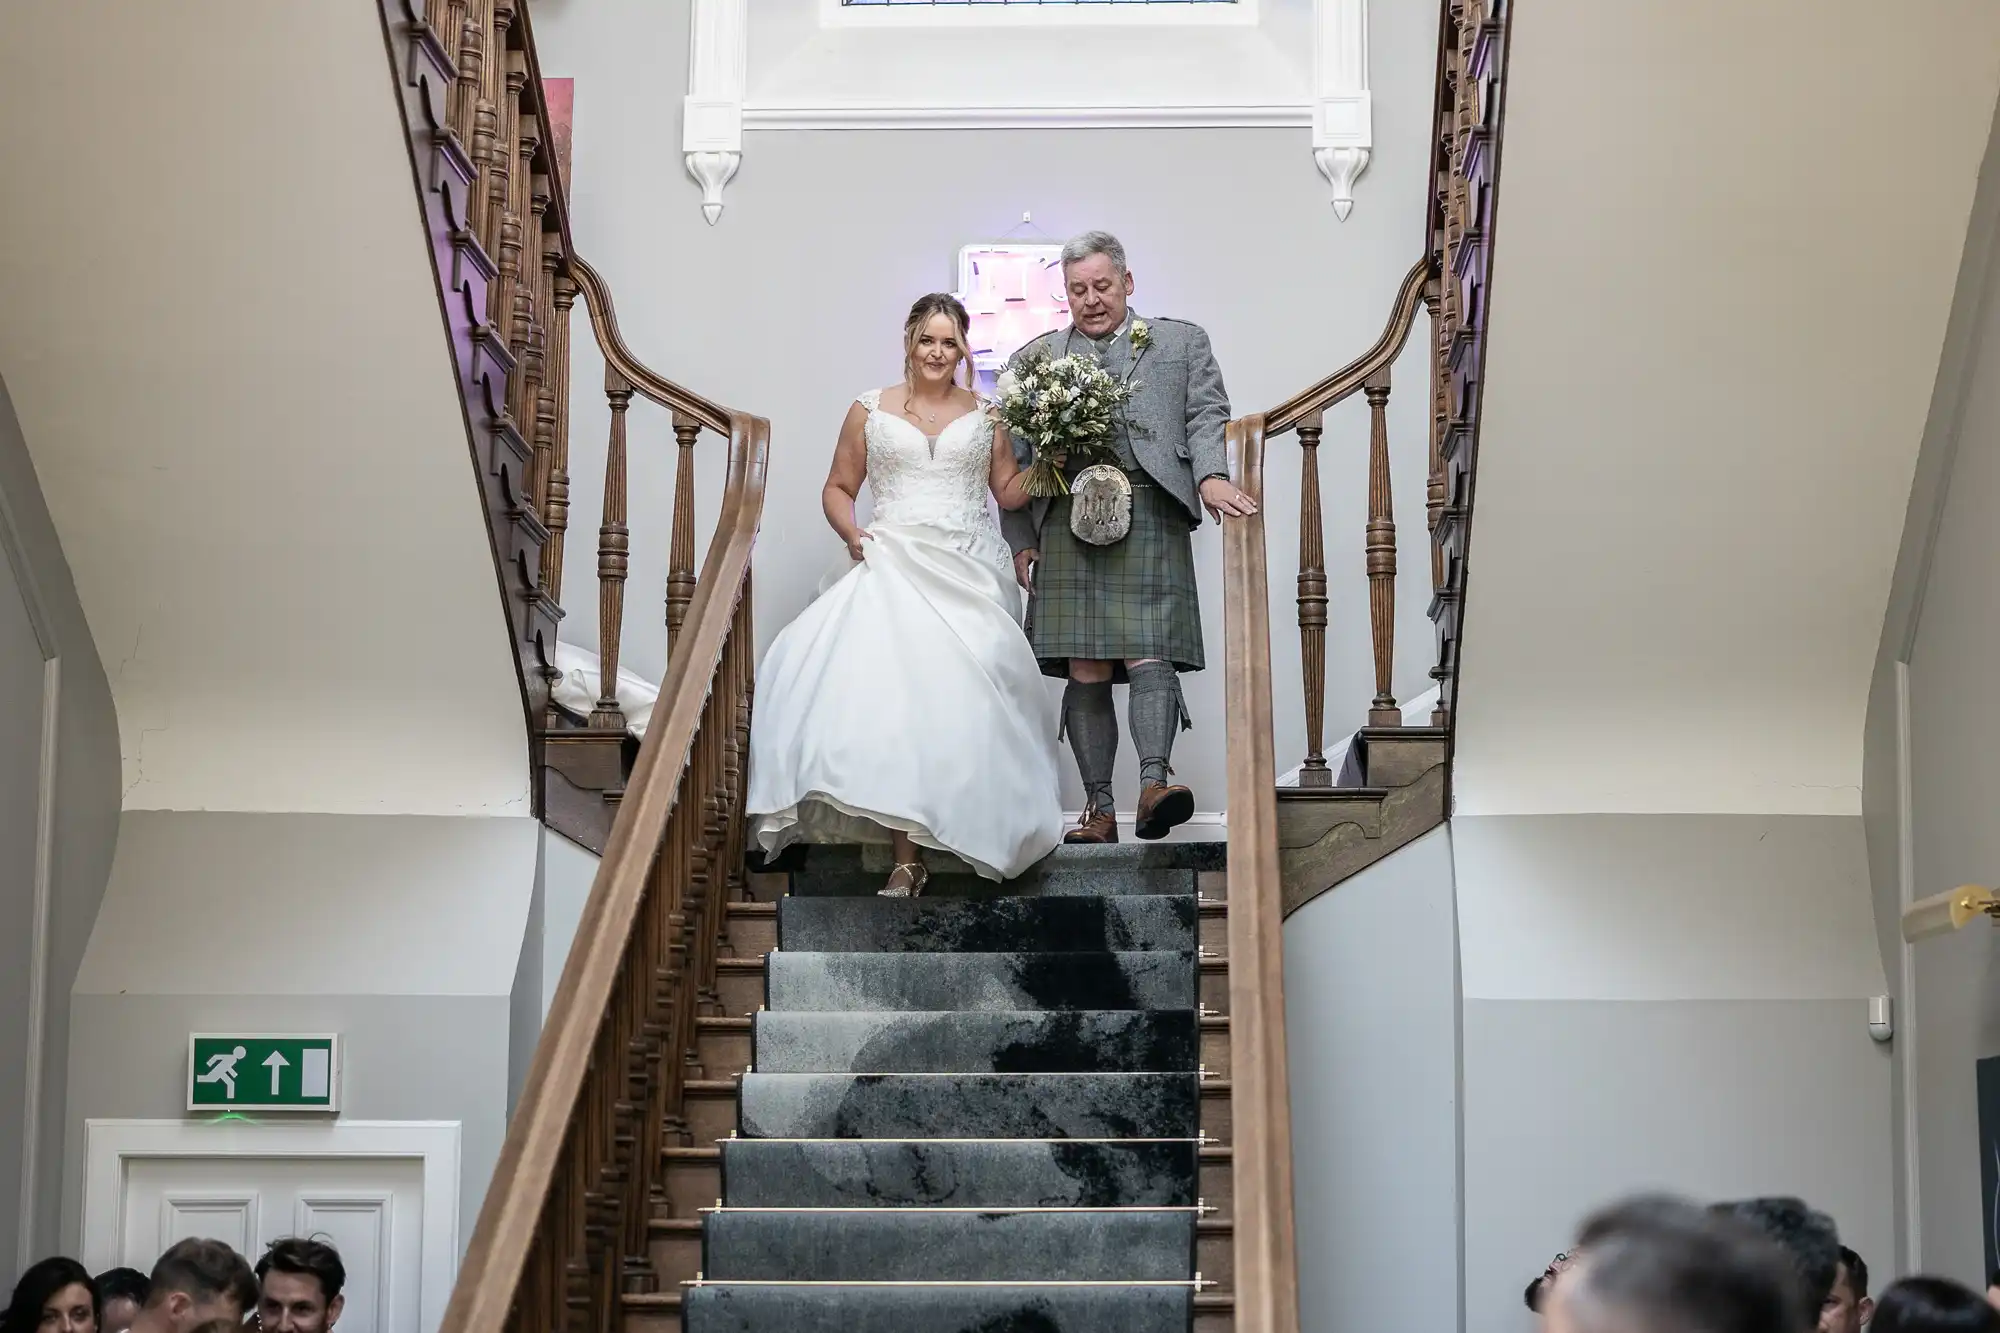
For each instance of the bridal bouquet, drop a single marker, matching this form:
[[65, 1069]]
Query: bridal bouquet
[[1066, 409]]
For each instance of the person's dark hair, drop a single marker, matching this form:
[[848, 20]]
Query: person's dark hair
[[205, 1270], [1857, 1272], [1538, 1290], [37, 1284], [306, 1258], [1806, 1234], [127, 1282], [1659, 1265], [1933, 1305]]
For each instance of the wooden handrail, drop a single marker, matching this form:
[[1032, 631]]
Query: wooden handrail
[[1351, 378], [490, 1279], [658, 388], [1267, 1282]]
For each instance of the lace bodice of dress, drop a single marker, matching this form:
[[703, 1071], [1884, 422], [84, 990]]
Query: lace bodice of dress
[[943, 482]]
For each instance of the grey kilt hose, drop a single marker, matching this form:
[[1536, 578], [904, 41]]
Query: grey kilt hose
[[1131, 600]]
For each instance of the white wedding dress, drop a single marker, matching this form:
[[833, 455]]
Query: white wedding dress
[[906, 697]]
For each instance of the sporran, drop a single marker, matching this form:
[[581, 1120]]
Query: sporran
[[1100, 511]]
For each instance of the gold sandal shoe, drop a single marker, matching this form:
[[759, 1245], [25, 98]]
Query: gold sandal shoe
[[915, 876]]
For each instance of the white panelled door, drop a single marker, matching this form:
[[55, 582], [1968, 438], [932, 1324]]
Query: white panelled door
[[368, 1208]]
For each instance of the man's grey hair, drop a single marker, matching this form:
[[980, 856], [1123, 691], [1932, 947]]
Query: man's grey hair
[[1661, 1265], [1079, 248]]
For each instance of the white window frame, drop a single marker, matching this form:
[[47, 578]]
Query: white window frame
[[1238, 13]]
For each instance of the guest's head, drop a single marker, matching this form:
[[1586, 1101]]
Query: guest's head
[[122, 1293], [1657, 1265], [194, 1282], [935, 342], [299, 1287], [1806, 1234], [1933, 1305], [1848, 1307], [53, 1296], [1537, 1294], [1096, 282], [1993, 1288]]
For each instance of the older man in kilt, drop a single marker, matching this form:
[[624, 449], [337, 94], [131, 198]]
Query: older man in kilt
[[1128, 611]]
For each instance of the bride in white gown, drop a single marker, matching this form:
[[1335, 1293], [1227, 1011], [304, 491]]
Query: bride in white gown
[[904, 705]]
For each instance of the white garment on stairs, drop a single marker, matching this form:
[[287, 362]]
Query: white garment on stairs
[[578, 671], [906, 695]]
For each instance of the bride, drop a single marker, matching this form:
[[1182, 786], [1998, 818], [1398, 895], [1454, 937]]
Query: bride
[[905, 705]]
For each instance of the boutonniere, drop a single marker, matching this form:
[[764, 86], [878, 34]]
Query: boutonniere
[[1142, 335]]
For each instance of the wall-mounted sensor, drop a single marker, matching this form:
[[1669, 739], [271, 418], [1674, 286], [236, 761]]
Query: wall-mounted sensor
[[1881, 1017]]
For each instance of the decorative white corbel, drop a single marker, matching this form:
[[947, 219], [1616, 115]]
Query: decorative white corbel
[[1343, 121], [712, 111]]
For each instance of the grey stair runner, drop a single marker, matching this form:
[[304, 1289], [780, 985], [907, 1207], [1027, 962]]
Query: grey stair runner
[[975, 1112]]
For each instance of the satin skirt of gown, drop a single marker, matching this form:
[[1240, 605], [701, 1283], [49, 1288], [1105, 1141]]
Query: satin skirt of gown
[[906, 697]]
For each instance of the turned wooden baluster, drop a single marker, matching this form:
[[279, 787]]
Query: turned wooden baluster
[[1312, 605], [1381, 552], [506, 216], [1434, 495], [555, 503], [614, 545], [680, 554], [477, 113]]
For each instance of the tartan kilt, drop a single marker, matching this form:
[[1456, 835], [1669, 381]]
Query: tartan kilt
[[1131, 600]]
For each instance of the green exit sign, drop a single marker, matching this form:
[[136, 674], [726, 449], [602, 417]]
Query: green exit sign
[[263, 1072]]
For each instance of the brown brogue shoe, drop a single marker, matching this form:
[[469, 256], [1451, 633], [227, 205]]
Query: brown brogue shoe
[[1162, 808], [1096, 826]]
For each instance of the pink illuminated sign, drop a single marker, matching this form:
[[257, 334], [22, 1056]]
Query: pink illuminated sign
[[1013, 293]]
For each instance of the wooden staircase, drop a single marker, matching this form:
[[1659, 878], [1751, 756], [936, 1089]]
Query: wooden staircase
[[691, 1159], [595, 1219]]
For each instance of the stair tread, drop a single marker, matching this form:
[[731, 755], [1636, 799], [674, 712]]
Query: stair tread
[[671, 1300], [929, 1245], [864, 982], [978, 1041]]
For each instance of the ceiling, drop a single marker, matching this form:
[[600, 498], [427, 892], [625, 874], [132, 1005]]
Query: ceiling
[[1728, 239], [220, 330]]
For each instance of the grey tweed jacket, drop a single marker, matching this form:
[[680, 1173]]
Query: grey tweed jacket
[[1175, 419]]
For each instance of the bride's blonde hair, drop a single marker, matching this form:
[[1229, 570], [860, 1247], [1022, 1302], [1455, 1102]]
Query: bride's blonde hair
[[921, 314]]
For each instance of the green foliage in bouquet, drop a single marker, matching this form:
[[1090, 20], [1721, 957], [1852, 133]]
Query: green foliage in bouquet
[[1066, 408]]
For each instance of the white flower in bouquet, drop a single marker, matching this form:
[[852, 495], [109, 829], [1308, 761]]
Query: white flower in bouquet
[[1066, 408]]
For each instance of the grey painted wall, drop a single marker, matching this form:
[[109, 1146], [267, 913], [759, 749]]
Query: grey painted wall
[[1570, 1104], [1371, 1002], [794, 302], [1662, 1001], [404, 933], [1932, 732], [47, 657]]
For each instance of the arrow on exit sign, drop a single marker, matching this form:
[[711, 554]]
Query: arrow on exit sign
[[263, 1072]]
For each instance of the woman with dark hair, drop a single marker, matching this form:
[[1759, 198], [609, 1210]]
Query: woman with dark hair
[[54, 1296], [1933, 1305]]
